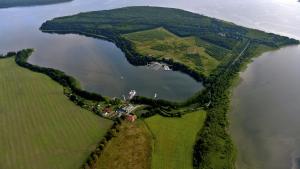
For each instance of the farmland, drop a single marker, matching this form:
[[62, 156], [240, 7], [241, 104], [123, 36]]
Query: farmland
[[231, 45], [39, 126], [161, 43], [174, 139], [131, 149]]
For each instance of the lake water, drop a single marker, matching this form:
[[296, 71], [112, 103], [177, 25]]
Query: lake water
[[266, 112], [99, 65], [265, 120]]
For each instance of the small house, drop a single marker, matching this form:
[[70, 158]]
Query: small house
[[107, 110], [131, 118]]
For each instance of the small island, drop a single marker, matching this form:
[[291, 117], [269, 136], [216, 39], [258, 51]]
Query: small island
[[17, 3], [210, 50]]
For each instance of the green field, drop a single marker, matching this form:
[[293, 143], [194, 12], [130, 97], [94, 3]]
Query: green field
[[160, 43], [131, 149], [14, 3], [174, 139], [39, 127]]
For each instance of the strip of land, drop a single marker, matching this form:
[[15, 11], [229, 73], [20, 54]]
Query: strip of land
[[39, 126]]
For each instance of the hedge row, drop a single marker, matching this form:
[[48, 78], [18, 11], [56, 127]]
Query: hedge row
[[91, 162]]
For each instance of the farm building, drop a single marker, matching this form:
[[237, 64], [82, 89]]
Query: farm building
[[131, 118]]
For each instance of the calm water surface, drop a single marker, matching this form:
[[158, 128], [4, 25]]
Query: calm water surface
[[99, 65], [266, 112], [265, 121]]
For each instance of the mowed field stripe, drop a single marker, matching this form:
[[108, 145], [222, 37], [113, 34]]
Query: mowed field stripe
[[40, 127]]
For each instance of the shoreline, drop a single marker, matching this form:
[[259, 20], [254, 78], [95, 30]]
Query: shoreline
[[131, 55], [214, 142], [195, 97], [239, 80], [234, 83], [235, 66]]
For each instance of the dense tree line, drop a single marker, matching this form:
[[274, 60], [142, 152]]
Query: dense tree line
[[153, 102], [160, 110], [91, 161], [9, 54]]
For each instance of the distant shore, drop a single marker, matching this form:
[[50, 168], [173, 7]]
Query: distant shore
[[24, 3]]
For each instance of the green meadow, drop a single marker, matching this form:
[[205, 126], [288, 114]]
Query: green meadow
[[130, 149], [160, 43], [39, 127], [174, 139]]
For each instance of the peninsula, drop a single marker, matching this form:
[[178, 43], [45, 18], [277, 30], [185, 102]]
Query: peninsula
[[208, 49], [186, 135]]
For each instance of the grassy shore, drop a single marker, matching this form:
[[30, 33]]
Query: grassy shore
[[39, 126]]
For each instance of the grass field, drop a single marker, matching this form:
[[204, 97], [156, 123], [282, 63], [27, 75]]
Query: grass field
[[131, 149], [160, 43], [39, 127], [174, 139]]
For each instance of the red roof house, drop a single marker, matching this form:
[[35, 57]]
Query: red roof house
[[131, 118]]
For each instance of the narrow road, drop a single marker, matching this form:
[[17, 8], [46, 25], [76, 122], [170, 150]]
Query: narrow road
[[232, 63], [241, 54]]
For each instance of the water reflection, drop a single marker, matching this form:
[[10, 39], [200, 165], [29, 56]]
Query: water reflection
[[99, 65], [265, 119]]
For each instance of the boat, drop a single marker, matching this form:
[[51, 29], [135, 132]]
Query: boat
[[166, 67], [131, 94]]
